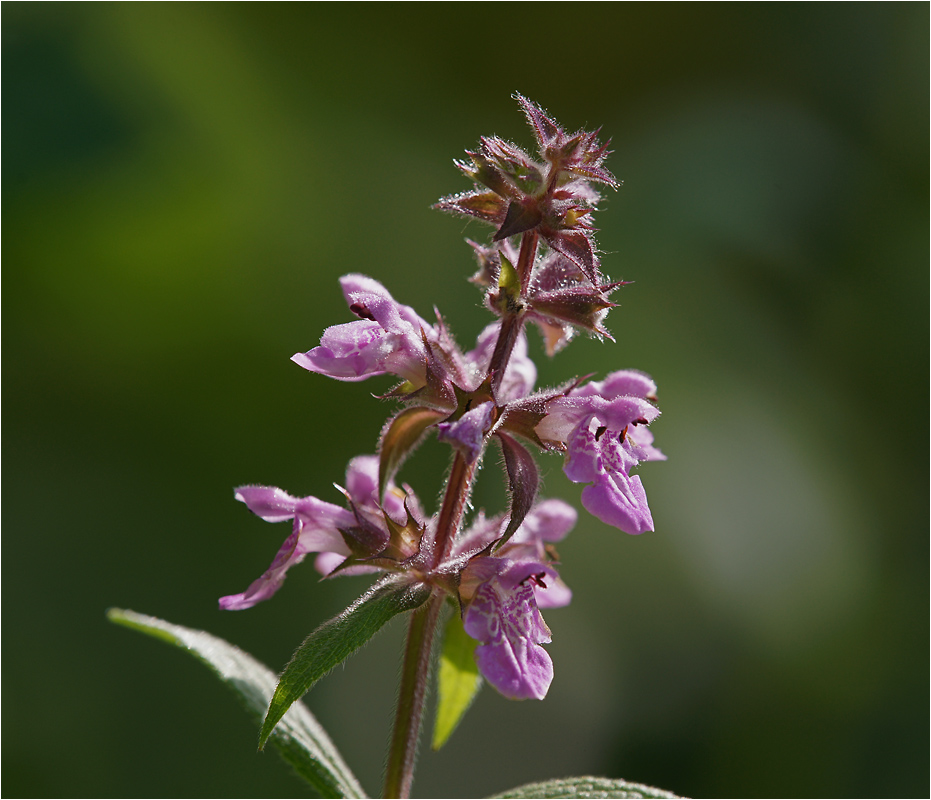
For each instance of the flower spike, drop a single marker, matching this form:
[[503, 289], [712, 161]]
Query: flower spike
[[541, 265], [553, 198]]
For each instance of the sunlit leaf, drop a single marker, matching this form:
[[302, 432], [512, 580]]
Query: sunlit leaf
[[459, 680], [337, 639], [587, 787], [299, 738]]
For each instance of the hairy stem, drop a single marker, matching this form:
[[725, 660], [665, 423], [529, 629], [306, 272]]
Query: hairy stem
[[512, 318], [415, 671], [455, 500], [528, 251], [415, 674]]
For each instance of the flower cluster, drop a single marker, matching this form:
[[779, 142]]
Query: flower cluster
[[542, 266]]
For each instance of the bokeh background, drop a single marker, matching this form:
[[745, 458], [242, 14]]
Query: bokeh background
[[182, 186]]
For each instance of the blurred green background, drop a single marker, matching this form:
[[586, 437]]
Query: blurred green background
[[182, 186]]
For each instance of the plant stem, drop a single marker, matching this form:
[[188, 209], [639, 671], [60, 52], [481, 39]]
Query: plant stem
[[415, 671], [415, 674], [512, 318], [454, 504], [528, 251]]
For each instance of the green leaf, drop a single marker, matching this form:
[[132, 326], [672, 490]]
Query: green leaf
[[300, 739], [459, 680], [400, 436], [336, 640], [588, 787]]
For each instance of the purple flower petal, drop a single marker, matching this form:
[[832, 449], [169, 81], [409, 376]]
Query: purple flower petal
[[508, 624], [467, 434], [603, 428], [315, 530], [387, 337], [615, 497], [566, 412], [321, 519], [362, 486], [481, 533], [290, 553], [367, 297], [619, 500], [622, 382], [362, 481], [268, 502], [325, 563], [521, 373], [524, 554], [548, 521], [352, 351], [583, 460], [555, 595], [640, 442]]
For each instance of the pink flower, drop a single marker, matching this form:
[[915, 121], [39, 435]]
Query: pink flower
[[318, 527], [503, 594], [503, 615], [391, 338], [315, 528], [467, 434], [387, 337], [603, 428]]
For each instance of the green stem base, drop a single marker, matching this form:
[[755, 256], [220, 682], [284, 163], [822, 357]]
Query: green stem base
[[412, 692]]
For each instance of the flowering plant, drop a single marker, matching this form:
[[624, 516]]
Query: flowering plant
[[487, 576]]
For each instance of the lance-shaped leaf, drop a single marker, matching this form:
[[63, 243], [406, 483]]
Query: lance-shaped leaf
[[523, 479], [336, 640], [459, 680], [400, 436], [588, 787], [299, 739]]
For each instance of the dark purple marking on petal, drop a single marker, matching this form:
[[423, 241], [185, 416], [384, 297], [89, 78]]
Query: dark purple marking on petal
[[510, 628]]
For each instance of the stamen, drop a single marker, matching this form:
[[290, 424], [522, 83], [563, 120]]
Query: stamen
[[361, 310], [536, 578]]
